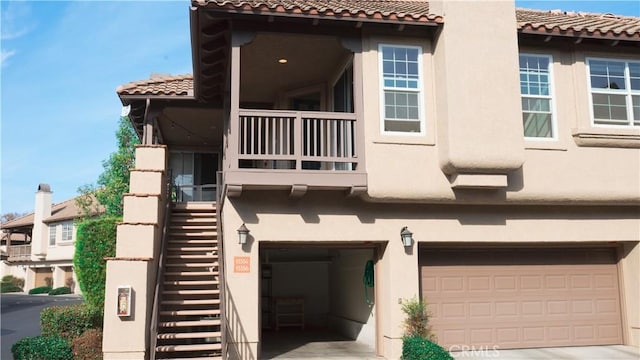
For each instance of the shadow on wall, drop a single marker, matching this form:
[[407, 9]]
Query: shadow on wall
[[238, 346]]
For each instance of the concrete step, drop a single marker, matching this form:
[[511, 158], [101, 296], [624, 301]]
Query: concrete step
[[194, 347], [196, 220], [182, 241], [191, 257], [173, 324], [193, 227], [190, 335], [195, 205], [198, 358], [194, 233], [186, 302], [189, 312]]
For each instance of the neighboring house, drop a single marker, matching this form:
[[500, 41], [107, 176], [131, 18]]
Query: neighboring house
[[40, 245], [502, 144]]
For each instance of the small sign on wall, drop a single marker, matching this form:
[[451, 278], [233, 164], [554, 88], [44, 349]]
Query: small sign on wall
[[241, 264], [124, 301]]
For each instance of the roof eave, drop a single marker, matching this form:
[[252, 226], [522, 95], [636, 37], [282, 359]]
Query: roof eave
[[570, 33]]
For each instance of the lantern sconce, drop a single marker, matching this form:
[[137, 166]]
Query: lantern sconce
[[242, 234], [407, 237]]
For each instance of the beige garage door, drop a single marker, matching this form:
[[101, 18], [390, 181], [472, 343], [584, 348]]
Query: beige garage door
[[519, 298]]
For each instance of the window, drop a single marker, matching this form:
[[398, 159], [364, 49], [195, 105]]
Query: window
[[537, 99], [52, 234], [67, 231], [401, 89], [615, 92]]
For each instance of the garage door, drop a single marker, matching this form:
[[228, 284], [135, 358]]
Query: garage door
[[519, 298]]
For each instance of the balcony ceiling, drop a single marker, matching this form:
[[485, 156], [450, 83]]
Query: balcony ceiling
[[189, 127], [311, 60]]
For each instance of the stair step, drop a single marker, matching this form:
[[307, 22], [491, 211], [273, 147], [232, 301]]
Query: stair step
[[191, 282], [192, 265], [193, 233], [190, 335], [192, 273], [199, 358], [192, 241], [168, 324], [196, 205], [192, 256], [189, 312], [194, 248], [192, 227], [191, 302], [193, 347], [194, 220], [191, 292], [179, 216]]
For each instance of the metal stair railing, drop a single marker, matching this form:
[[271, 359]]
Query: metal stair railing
[[221, 267]]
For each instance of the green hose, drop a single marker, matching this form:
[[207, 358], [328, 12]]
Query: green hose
[[368, 281]]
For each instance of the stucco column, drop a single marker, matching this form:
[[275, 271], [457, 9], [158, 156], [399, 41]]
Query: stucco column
[[137, 250], [58, 276], [630, 266], [242, 285], [397, 281], [30, 279]]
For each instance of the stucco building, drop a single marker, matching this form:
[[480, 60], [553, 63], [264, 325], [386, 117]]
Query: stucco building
[[311, 134]]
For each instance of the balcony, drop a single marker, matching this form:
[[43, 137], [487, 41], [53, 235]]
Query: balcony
[[19, 253], [295, 150]]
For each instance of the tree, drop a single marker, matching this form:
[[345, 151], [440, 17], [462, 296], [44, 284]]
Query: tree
[[113, 183], [114, 180], [10, 216]]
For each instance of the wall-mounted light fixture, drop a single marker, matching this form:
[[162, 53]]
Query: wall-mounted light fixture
[[282, 61], [406, 236], [242, 234]]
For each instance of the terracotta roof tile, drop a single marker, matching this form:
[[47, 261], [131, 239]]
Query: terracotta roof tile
[[406, 10], [573, 23], [178, 85]]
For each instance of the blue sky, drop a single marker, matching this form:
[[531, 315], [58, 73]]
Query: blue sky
[[61, 64]]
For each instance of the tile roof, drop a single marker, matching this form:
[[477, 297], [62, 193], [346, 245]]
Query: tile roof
[[406, 10], [65, 210], [177, 85], [572, 23]]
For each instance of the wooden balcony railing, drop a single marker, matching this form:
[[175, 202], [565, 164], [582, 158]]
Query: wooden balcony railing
[[301, 143], [19, 253]]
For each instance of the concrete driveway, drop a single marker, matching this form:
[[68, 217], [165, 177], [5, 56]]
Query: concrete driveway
[[611, 352]]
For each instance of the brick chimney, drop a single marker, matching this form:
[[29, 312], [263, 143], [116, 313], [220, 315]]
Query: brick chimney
[[40, 232]]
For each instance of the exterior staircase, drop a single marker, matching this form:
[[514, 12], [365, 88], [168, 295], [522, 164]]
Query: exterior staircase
[[189, 310]]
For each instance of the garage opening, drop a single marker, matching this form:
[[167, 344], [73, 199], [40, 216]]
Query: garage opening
[[317, 301], [522, 297]]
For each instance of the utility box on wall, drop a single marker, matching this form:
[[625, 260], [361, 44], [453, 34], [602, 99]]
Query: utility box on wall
[[124, 301]]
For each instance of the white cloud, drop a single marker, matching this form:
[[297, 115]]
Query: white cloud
[[15, 18], [6, 54]]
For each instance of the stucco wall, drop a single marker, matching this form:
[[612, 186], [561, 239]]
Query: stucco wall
[[409, 168]]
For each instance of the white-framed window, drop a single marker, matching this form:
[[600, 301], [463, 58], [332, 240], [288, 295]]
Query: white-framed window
[[67, 231], [401, 89], [614, 87], [536, 89], [52, 234]]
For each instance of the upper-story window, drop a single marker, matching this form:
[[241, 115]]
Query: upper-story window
[[52, 234], [615, 92], [67, 231], [401, 89], [537, 96]]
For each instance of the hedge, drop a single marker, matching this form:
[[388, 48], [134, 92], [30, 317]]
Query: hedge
[[96, 239], [69, 321], [40, 290], [9, 288], [88, 346], [417, 348], [60, 291], [42, 348], [16, 281]]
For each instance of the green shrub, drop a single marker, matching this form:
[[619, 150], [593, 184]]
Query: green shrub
[[417, 321], [40, 290], [60, 291], [19, 282], [417, 348], [69, 321], [42, 348], [88, 346], [96, 239], [9, 288]]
